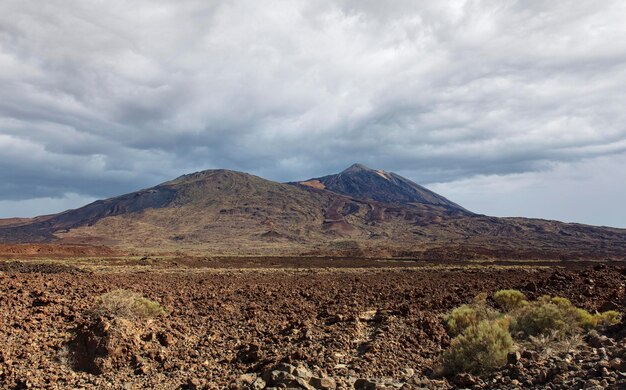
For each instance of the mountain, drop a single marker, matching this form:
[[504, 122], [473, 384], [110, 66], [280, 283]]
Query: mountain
[[358, 212], [186, 205], [361, 182]]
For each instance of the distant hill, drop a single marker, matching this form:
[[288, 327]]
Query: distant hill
[[358, 212]]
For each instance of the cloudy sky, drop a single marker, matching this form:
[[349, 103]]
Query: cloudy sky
[[509, 108]]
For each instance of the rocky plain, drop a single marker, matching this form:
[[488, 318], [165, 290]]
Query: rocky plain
[[325, 323], [221, 279]]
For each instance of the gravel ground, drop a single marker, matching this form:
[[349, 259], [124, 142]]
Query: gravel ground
[[321, 327]]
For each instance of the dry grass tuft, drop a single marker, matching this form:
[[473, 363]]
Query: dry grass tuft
[[126, 304]]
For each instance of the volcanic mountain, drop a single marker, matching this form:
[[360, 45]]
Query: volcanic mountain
[[358, 212], [361, 182]]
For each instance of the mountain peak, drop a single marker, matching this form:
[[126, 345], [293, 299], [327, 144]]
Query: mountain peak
[[208, 174], [356, 168], [360, 182]]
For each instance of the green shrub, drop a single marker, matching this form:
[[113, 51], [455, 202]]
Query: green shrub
[[510, 299], [539, 319], [553, 314], [584, 319], [608, 318], [480, 349], [465, 316], [482, 336], [126, 304], [461, 318]]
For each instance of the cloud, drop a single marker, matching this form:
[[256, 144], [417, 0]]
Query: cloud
[[588, 191], [42, 206], [102, 98]]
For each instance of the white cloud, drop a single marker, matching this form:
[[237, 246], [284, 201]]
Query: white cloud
[[100, 98], [589, 191]]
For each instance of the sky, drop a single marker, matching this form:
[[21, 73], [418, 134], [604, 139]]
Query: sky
[[508, 108]]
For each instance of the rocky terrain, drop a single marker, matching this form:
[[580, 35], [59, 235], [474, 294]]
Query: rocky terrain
[[337, 282], [359, 212], [298, 323]]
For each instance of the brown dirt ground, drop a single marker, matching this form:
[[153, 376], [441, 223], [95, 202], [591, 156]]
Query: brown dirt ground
[[231, 316]]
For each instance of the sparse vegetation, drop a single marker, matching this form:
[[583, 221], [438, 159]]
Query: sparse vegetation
[[461, 318], [549, 314], [510, 299], [550, 344], [483, 336], [465, 316], [609, 318], [126, 304], [540, 318], [480, 348]]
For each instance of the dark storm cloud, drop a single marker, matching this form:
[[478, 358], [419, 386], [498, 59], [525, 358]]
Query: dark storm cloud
[[105, 97]]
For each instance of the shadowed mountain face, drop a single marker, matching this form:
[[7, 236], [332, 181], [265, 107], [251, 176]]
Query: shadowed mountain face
[[361, 182], [358, 212]]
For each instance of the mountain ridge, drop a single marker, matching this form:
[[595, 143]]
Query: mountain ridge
[[357, 212]]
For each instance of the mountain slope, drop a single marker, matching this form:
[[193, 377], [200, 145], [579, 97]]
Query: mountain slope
[[209, 194], [227, 212], [361, 182]]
